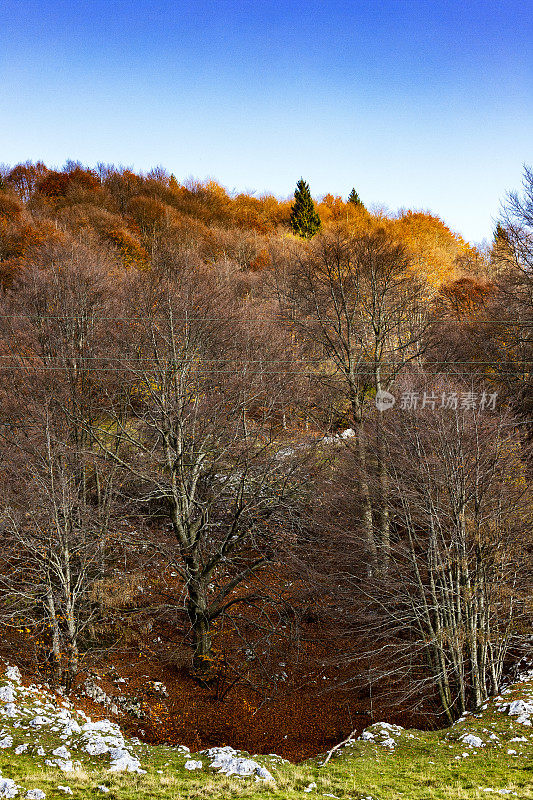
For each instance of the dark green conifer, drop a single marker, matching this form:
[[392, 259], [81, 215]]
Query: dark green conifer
[[304, 219], [355, 199], [500, 235]]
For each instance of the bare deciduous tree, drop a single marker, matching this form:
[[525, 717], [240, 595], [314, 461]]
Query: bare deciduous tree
[[53, 542], [356, 304], [58, 501], [459, 563], [193, 430]]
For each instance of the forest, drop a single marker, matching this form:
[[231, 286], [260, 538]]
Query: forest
[[266, 464]]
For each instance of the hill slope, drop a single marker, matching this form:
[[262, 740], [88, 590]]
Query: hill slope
[[50, 749]]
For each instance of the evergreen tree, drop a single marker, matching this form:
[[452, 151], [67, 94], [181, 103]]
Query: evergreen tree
[[304, 219], [500, 235], [502, 247], [355, 199]]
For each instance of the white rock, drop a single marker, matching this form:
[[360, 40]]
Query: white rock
[[191, 765], [126, 763], [70, 727], [97, 747], [61, 752], [39, 721], [20, 749], [7, 695], [388, 727], [13, 674], [473, 741], [262, 774], [388, 742], [35, 794], [228, 762], [213, 752], [7, 741], [103, 726], [8, 788], [65, 765], [519, 708]]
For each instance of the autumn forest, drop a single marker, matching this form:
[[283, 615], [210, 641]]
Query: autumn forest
[[274, 455]]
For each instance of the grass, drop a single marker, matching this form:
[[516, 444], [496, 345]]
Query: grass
[[421, 766]]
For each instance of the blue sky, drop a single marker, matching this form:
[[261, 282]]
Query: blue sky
[[417, 103]]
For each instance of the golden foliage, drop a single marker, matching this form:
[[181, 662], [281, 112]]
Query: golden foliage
[[434, 247]]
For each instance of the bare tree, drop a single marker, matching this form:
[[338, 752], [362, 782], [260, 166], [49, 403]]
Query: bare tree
[[461, 509], [456, 598], [194, 433], [514, 246], [53, 551], [54, 330], [58, 500], [511, 345], [357, 306]]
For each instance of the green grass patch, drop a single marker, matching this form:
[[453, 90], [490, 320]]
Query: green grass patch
[[419, 765]]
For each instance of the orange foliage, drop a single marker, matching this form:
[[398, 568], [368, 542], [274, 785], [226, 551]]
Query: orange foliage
[[57, 184], [434, 247], [9, 207], [25, 177], [248, 213], [131, 251], [110, 228], [149, 214], [332, 209], [261, 261], [138, 214], [189, 232], [464, 298], [208, 202], [17, 242]]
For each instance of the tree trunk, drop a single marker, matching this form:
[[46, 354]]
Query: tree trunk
[[203, 662], [72, 651], [367, 516], [56, 649], [384, 517]]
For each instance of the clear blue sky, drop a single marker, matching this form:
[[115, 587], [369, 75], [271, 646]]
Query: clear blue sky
[[417, 103]]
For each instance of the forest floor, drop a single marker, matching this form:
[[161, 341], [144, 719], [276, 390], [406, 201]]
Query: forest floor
[[297, 696], [49, 748]]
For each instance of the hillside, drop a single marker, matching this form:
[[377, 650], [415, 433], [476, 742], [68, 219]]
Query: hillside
[[267, 479], [50, 749]]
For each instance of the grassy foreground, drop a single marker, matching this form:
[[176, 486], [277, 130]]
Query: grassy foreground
[[389, 763]]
